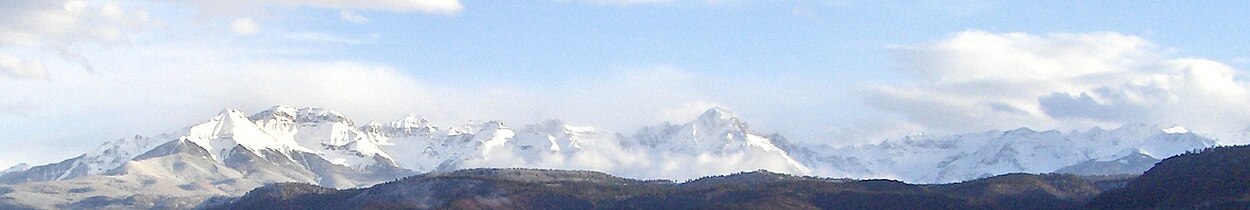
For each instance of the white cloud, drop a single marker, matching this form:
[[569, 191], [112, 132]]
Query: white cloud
[[350, 16], [685, 113], [628, 98], [58, 28], [977, 80], [427, 6], [626, 2], [318, 37], [602, 153], [244, 26], [67, 22], [242, 12], [12, 66], [659, 2], [432, 6]]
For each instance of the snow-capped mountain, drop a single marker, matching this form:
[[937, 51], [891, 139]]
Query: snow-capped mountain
[[291, 135], [324, 132], [553, 135], [1133, 162], [232, 153], [414, 143], [420, 146], [943, 159], [716, 132], [107, 156], [272, 148], [15, 168]]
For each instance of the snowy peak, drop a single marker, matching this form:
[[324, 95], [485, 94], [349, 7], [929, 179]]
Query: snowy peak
[[411, 121], [373, 128], [115, 153], [489, 125], [16, 168], [1020, 131], [717, 113], [320, 115], [1137, 129], [719, 118], [229, 114], [715, 131], [327, 133], [229, 129], [1129, 162], [279, 113], [546, 126], [291, 114], [284, 132], [553, 135], [1159, 142], [492, 131], [1176, 129], [410, 125], [558, 128], [719, 126]]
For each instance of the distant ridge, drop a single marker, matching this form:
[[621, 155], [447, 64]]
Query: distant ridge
[[560, 189]]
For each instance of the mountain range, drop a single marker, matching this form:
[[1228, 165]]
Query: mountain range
[[233, 153], [1130, 149]]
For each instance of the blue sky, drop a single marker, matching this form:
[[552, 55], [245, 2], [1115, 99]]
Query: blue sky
[[836, 72], [525, 41], [535, 40]]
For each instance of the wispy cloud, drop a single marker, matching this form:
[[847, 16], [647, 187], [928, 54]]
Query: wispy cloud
[[14, 67], [245, 26], [58, 27], [977, 80], [625, 2], [350, 16], [447, 7], [318, 37]]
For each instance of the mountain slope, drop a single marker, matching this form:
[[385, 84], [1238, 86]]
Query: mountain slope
[[1215, 178], [558, 189], [232, 153], [715, 142], [716, 133], [105, 157], [1133, 163], [945, 159], [227, 155], [15, 168]]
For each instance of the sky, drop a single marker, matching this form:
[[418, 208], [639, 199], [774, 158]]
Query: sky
[[74, 74]]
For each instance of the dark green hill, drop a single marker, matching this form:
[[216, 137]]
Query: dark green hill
[[557, 189], [1215, 178]]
